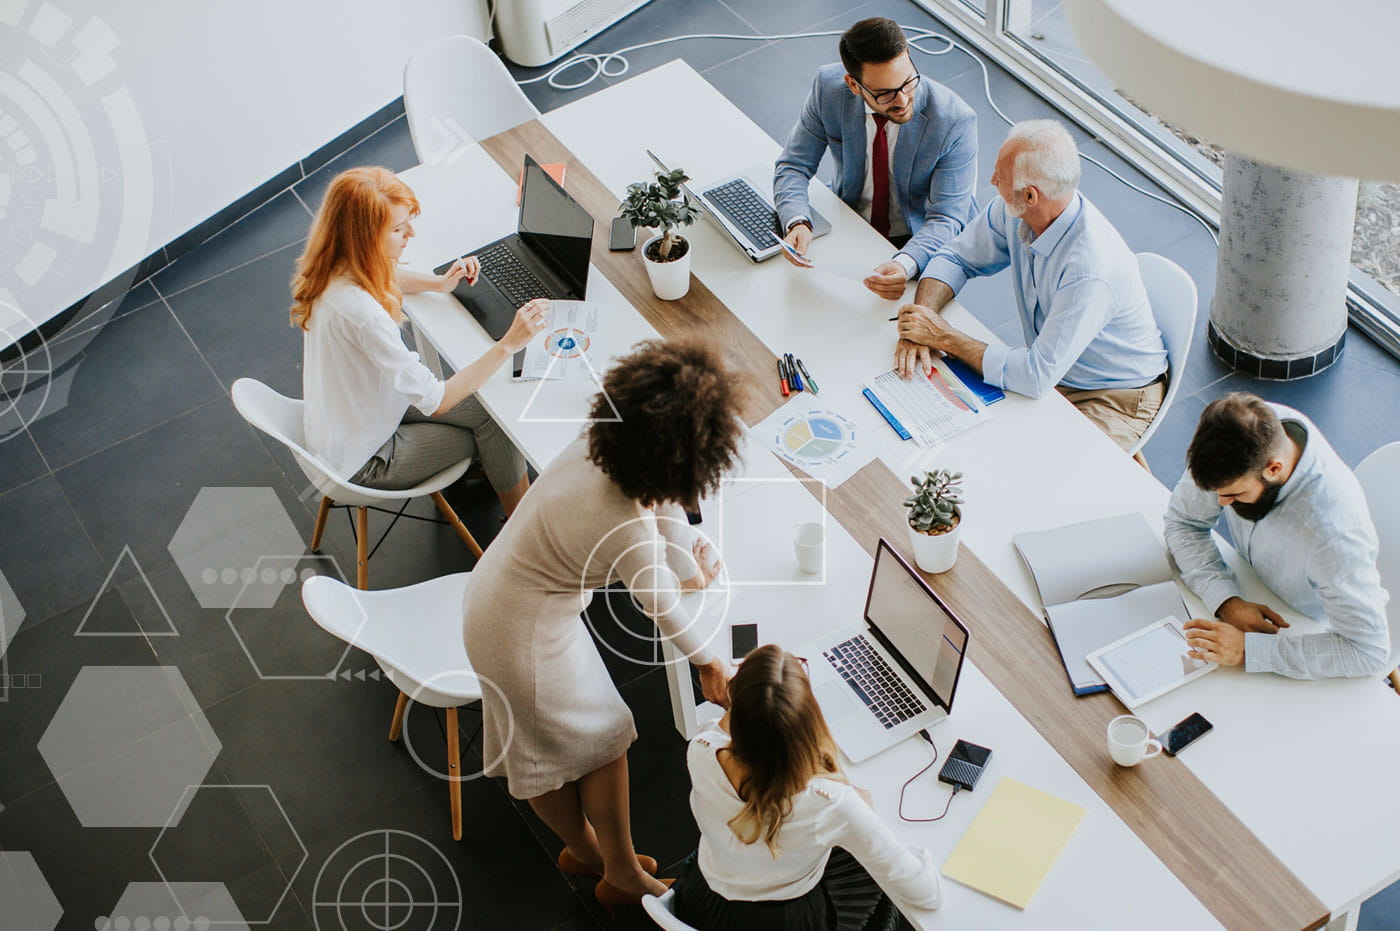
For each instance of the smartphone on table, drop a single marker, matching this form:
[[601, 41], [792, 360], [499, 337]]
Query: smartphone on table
[[1185, 733]]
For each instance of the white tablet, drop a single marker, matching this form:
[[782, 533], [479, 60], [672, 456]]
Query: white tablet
[[1148, 662]]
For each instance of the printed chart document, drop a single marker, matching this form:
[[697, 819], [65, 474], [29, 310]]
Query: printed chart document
[[815, 438], [573, 346], [1099, 580], [927, 409], [1013, 842]]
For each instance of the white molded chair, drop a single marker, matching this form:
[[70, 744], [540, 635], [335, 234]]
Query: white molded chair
[[415, 635], [457, 91], [662, 910], [280, 418], [1379, 474], [1172, 294]]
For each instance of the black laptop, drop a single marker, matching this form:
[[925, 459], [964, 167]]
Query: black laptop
[[547, 256]]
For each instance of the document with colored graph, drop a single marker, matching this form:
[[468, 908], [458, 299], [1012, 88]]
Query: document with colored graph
[[932, 407]]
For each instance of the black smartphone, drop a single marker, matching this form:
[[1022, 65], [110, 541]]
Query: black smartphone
[[623, 236], [964, 765], [743, 640], [1185, 733]]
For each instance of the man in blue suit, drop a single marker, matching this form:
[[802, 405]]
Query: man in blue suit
[[904, 148]]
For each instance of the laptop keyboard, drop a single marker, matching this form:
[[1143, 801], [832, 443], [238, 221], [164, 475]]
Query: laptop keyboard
[[510, 275], [747, 210], [866, 671]]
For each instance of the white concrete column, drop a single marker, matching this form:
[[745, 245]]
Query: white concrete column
[[1279, 309]]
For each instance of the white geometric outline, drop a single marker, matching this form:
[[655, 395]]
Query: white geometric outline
[[318, 903], [102, 590], [821, 501], [228, 618], [510, 730], [545, 379], [180, 808]]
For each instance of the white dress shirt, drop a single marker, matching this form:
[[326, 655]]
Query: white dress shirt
[[898, 225], [826, 814], [1315, 549], [358, 378]]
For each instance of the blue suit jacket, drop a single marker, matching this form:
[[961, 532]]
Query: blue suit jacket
[[934, 168]]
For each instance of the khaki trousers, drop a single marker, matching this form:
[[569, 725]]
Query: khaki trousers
[[1123, 413]]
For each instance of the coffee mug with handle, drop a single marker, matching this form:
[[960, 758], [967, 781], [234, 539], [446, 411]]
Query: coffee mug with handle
[[1130, 741]]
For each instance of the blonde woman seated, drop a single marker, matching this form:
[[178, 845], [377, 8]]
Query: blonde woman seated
[[772, 804], [374, 413]]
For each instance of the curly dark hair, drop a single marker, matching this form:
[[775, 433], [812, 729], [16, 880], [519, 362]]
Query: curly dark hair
[[666, 425], [1237, 435]]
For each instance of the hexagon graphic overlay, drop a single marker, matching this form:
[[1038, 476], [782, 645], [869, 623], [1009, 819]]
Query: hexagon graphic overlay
[[125, 743], [220, 540], [174, 907], [26, 901], [280, 640]]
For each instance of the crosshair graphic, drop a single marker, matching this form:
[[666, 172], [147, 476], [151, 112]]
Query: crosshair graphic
[[77, 195], [387, 880], [707, 608]]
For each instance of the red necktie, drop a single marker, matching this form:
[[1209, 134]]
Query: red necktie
[[880, 179]]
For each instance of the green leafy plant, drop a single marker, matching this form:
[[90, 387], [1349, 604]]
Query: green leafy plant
[[933, 507], [661, 204]]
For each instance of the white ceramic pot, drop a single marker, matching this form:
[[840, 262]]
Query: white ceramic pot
[[670, 280], [935, 552]]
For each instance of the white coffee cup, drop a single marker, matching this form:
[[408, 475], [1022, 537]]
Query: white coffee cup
[[809, 541], [1130, 741]]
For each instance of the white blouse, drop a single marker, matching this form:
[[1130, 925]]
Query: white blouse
[[826, 814], [358, 378]]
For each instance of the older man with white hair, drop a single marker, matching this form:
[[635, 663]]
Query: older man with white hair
[[1088, 326]]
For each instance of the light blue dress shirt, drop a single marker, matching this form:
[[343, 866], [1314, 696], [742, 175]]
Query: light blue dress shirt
[[1082, 303], [1316, 549]]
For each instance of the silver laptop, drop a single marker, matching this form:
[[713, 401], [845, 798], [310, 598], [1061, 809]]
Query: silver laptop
[[895, 674], [741, 208]]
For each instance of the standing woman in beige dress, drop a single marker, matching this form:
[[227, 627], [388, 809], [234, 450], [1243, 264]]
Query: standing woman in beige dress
[[610, 507]]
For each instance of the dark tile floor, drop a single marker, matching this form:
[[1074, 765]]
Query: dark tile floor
[[114, 453]]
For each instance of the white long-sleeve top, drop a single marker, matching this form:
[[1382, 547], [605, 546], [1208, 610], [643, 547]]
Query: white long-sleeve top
[[358, 378], [826, 814], [1316, 549]]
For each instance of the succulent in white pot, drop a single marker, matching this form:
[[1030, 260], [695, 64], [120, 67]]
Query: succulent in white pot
[[663, 204], [935, 519]]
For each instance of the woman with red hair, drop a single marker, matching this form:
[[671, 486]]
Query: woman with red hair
[[374, 413]]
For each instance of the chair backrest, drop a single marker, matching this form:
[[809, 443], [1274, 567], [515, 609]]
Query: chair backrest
[[416, 631], [1379, 474], [457, 91], [280, 418], [1172, 295], [663, 911]]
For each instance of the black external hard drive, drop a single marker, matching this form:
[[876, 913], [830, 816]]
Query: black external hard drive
[[965, 765]]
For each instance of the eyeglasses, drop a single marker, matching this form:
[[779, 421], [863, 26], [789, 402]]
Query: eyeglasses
[[888, 96]]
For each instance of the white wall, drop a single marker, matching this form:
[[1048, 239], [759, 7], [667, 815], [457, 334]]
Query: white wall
[[124, 124]]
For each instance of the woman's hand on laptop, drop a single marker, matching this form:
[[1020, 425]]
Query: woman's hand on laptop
[[466, 267], [529, 320]]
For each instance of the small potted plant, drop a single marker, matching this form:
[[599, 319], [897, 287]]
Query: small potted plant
[[935, 519], [662, 204]]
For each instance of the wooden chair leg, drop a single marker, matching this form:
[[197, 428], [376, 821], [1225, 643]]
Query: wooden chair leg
[[320, 523], [1395, 679], [362, 549], [396, 725], [456, 523], [454, 770]]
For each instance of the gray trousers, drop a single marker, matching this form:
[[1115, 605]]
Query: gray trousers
[[423, 446]]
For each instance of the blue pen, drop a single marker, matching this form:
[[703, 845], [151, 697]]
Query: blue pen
[[792, 370], [885, 413]]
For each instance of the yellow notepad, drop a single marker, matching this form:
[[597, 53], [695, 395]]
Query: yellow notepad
[[1013, 842]]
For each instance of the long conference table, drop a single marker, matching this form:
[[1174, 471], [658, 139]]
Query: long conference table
[[1285, 817]]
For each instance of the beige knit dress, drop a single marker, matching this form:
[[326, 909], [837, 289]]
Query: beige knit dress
[[550, 709]]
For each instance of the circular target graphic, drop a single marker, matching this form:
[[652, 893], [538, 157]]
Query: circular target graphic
[[566, 343], [386, 880], [817, 437]]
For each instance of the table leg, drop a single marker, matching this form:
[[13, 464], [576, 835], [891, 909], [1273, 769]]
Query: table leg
[[1346, 921], [427, 352]]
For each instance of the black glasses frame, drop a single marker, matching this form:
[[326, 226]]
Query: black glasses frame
[[886, 96]]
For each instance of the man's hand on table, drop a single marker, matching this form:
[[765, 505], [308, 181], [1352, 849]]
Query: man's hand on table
[[1216, 641], [888, 280], [1249, 616]]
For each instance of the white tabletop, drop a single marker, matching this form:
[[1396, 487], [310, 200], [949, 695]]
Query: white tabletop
[[1307, 766]]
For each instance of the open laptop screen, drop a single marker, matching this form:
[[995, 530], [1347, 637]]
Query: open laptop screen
[[555, 225], [914, 624]]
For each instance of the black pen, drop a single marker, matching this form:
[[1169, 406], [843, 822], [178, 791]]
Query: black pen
[[792, 373], [811, 382]]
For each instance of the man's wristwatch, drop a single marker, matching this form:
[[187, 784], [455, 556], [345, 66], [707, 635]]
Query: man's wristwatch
[[800, 221]]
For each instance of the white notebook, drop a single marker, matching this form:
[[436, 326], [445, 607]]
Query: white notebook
[[1099, 580]]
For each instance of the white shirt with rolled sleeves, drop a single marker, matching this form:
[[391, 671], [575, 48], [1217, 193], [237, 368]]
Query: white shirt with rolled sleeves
[[358, 378], [1081, 300], [1315, 549], [827, 813]]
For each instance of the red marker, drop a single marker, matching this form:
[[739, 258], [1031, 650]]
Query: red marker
[[782, 379]]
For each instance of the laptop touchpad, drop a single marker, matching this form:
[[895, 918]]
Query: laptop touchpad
[[836, 699]]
